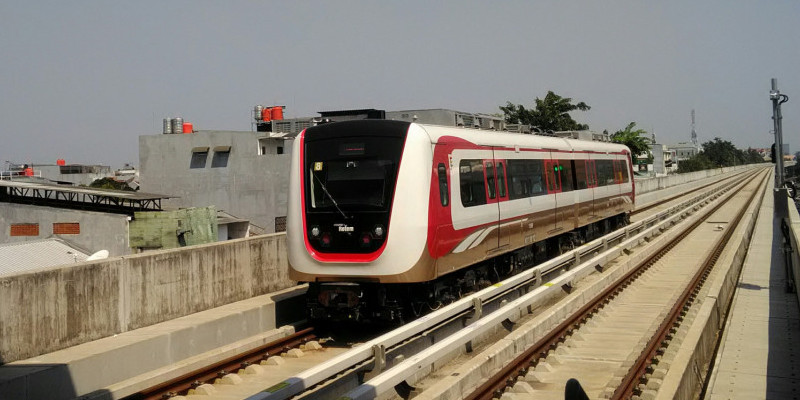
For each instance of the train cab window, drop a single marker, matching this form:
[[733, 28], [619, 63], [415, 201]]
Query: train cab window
[[501, 180], [567, 176], [605, 172], [472, 183], [444, 192], [525, 178], [490, 184]]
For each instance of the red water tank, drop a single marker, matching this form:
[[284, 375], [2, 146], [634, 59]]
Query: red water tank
[[60, 162], [276, 113], [187, 127], [265, 114]]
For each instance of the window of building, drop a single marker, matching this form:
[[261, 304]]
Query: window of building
[[280, 149], [66, 228], [199, 157], [280, 224], [24, 230], [221, 155]]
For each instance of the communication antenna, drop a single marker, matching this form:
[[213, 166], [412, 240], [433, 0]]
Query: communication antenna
[[694, 133]]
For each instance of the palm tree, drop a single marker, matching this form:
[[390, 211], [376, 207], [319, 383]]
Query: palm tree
[[635, 139], [550, 113]]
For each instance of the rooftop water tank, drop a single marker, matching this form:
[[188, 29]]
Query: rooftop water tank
[[277, 113], [177, 125], [167, 126]]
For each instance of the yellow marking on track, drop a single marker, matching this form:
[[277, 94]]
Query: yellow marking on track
[[273, 389], [548, 284]]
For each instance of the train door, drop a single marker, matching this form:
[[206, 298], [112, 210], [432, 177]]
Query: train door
[[553, 182], [591, 184], [619, 180], [504, 233], [496, 194]]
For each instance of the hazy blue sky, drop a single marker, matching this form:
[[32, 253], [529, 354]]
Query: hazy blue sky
[[82, 80]]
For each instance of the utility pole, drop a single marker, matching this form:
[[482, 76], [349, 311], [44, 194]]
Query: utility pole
[[778, 99]]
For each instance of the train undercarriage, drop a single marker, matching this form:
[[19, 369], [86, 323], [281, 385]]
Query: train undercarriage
[[370, 302]]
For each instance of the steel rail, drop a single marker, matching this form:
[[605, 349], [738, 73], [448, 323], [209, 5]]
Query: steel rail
[[494, 386], [229, 365]]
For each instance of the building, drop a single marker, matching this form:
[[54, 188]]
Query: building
[[664, 159], [34, 208], [684, 150], [60, 172], [243, 173]]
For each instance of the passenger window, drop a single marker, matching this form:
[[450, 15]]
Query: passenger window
[[490, 180], [525, 178], [580, 174], [472, 184], [501, 179], [565, 171], [444, 193]]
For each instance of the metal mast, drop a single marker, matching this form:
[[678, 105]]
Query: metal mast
[[694, 133], [778, 99]]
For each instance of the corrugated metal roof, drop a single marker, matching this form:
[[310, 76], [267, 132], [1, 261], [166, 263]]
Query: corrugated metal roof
[[120, 194], [34, 255]]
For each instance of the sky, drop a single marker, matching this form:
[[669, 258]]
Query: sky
[[82, 80]]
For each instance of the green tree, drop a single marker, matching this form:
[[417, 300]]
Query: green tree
[[635, 139], [722, 153], [697, 162], [550, 113], [110, 183]]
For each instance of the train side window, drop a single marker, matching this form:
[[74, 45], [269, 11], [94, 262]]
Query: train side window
[[580, 174], [501, 180], [444, 192], [591, 173], [605, 172], [565, 170], [490, 186], [525, 178], [472, 184], [625, 177]]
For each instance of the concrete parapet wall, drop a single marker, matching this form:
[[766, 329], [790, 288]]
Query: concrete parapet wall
[[649, 185], [60, 307], [794, 231]]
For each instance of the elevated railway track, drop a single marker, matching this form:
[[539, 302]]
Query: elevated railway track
[[418, 357]]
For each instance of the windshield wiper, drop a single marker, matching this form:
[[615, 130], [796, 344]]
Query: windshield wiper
[[324, 189]]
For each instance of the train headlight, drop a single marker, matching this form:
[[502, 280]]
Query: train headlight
[[365, 240], [326, 239], [315, 231], [378, 231]]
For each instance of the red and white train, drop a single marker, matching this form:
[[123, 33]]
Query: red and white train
[[388, 219]]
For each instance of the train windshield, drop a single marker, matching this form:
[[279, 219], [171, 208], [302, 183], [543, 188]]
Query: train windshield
[[355, 174]]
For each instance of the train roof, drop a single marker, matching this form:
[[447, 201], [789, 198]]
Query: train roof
[[511, 139]]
